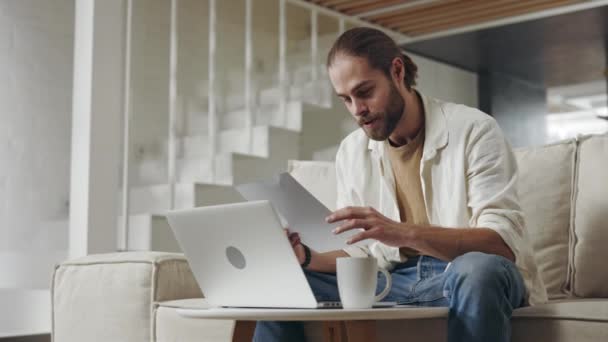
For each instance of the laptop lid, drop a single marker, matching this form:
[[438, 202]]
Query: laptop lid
[[241, 257]]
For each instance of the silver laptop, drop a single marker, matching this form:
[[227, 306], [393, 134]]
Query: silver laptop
[[241, 257]]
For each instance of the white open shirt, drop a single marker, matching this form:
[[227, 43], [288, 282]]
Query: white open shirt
[[468, 174]]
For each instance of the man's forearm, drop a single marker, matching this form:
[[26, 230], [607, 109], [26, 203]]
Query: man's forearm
[[448, 243], [325, 262]]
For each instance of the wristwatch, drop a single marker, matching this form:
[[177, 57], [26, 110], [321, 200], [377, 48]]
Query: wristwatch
[[306, 256]]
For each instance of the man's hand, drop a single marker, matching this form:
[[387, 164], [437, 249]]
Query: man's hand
[[439, 242], [376, 226]]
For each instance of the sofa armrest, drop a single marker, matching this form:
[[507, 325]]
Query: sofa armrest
[[110, 297]]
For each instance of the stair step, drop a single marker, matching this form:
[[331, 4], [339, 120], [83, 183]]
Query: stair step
[[264, 115], [154, 199], [254, 142], [269, 146], [313, 92], [224, 169], [151, 231]]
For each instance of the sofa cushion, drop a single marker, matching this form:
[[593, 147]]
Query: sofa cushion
[[116, 290], [317, 177], [545, 192], [568, 320], [589, 274]]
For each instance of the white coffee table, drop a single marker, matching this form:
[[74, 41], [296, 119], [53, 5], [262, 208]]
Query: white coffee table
[[338, 324]]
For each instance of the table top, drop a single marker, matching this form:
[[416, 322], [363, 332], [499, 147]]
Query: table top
[[198, 308]]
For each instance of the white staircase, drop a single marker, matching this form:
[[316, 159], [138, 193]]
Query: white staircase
[[310, 122]]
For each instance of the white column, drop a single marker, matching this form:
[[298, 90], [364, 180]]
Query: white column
[[172, 103], [341, 26], [96, 125]]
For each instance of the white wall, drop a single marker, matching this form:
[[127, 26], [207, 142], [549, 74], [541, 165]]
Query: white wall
[[36, 48], [36, 52], [446, 82]]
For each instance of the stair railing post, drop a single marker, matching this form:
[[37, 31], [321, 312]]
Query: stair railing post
[[172, 103], [283, 93], [213, 126], [248, 69], [314, 44], [341, 26], [126, 109]]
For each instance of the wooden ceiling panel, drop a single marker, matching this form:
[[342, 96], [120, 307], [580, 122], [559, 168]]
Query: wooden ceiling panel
[[357, 8], [478, 15], [427, 12], [421, 17], [470, 13]]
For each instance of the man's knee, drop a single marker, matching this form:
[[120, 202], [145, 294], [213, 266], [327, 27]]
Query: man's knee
[[478, 273]]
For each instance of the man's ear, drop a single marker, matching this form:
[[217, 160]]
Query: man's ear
[[398, 71]]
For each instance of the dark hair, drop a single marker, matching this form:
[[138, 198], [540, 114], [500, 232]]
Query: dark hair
[[377, 48]]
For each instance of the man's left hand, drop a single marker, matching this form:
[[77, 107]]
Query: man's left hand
[[375, 225]]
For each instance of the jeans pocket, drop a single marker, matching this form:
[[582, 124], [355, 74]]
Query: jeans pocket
[[429, 290]]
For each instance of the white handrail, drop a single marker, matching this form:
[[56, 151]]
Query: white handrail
[[172, 103], [126, 110], [248, 68], [211, 89]]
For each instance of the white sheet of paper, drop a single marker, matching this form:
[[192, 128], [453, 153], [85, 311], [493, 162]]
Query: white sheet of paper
[[302, 211]]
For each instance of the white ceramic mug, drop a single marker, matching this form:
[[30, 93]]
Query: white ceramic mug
[[357, 281]]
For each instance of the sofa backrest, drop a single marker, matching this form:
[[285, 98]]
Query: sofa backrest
[[588, 272], [563, 190]]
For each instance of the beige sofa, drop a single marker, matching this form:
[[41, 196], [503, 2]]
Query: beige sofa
[[564, 192]]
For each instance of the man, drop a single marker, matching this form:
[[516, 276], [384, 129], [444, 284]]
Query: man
[[433, 185]]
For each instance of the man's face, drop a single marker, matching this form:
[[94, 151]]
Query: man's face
[[368, 94]]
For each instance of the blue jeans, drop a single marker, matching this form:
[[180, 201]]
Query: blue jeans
[[481, 291]]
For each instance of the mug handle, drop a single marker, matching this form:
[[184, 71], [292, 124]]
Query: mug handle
[[387, 287]]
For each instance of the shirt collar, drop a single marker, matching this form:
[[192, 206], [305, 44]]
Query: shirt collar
[[435, 130]]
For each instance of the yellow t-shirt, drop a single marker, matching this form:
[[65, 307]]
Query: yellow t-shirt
[[405, 162]]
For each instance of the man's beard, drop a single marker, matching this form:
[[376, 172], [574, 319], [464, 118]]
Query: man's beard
[[388, 119]]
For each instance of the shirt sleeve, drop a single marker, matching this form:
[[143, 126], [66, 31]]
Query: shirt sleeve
[[492, 185]]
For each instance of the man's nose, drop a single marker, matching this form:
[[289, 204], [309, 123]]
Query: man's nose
[[360, 108]]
